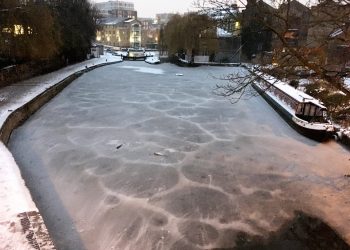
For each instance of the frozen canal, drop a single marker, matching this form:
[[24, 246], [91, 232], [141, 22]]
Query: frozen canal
[[132, 156]]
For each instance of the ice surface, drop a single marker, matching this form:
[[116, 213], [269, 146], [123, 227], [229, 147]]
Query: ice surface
[[144, 69], [193, 172]]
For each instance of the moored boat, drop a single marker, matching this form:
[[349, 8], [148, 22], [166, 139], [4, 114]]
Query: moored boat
[[303, 112], [135, 54]]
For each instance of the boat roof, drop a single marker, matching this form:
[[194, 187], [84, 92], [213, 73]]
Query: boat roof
[[289, 90]]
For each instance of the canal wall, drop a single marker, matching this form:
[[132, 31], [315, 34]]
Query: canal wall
[[21, 114]]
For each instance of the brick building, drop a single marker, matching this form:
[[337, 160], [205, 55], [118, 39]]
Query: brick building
[[120, 33]]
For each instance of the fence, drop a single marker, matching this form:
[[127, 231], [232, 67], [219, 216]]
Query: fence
[[20, 72]]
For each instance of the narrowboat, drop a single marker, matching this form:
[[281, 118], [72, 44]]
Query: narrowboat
[[135, 54], [304, 113]]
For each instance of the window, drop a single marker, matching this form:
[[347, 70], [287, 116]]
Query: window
[[300, 109], [319, 112], [307, 109], [313, 110]]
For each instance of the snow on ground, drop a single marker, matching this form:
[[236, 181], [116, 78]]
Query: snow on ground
[[223, 33], [347, 83], [121, 53], [183, 60], [15, 198], [304, 81], [152, 53]]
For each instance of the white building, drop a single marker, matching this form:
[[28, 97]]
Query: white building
[[120, 33]]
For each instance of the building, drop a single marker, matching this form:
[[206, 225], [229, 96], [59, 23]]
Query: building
[[229, 48], [123, 33], [97, 51], [163, 18], [329, 34], [150, 33], [226, 18], [256, 36], [225, 37], [326, 18], [117, 9], [296, 28]]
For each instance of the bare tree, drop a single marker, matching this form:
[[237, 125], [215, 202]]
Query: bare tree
[[301, 35], [288, 39], [184, 34], [23, 35]]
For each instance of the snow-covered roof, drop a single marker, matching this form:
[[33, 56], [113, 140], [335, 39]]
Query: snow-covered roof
[[336, 33], [218, 13], [289, 90], [129, 20], [111, 21], [116, 21]]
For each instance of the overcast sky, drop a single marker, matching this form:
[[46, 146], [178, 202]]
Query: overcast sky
[[149, 8]]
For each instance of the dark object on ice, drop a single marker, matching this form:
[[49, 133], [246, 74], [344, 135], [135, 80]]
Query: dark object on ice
[[347, 175], [158, 154], [118, 147], [303, 232]]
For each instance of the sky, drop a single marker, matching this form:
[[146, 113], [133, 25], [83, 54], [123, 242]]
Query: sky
[[149, 8]]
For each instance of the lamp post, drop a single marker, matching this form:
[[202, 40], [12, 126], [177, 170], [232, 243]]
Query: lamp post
[[240, 49]]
